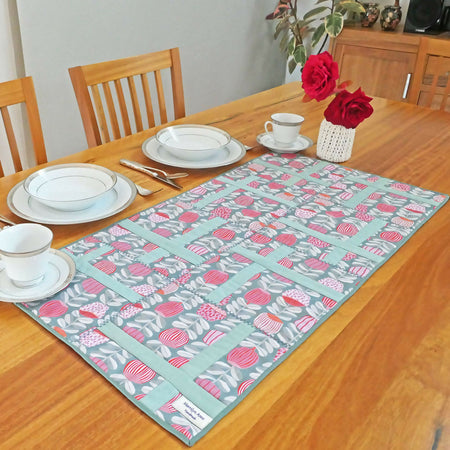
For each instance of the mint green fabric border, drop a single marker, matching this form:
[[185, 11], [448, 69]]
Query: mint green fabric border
[[331, 240], [171, 245], [245, 274], [84, 266], [290, 274], [191, 390], [241, 185]]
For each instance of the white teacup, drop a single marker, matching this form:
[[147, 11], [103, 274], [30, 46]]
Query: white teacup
[[285, 127], [24, 251]]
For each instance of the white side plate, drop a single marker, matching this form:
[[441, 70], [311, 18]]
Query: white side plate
[[301, 143], [60, 272]]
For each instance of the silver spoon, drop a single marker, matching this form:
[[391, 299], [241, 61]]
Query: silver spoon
[[143, 191]]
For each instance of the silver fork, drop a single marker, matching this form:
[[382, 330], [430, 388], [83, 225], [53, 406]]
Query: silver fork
[[171, 176], [142, 191]]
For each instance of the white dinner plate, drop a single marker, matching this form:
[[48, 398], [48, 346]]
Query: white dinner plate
[[231, 153], [114, 201], [60, 272], [301, 143]]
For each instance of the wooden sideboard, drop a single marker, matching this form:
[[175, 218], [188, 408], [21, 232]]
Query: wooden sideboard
[[383, 63]]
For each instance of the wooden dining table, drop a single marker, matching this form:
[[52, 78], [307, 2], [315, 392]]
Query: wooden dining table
[[375, 375]]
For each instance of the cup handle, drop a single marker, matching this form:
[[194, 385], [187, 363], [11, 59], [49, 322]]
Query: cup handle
[[266, 125]]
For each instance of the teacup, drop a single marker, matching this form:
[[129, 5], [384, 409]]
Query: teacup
[[24, 253], [285, 127]]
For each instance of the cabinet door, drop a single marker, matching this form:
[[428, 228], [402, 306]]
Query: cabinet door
[[379, 72]]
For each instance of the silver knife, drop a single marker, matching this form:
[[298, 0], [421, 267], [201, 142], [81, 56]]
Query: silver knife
[[141, 168]]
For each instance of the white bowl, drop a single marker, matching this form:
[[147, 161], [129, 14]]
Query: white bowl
[[193, 142], [70, 187]]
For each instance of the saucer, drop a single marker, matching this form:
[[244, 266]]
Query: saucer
[[301, 143], [232, 152], [60, 272], [112, 202]]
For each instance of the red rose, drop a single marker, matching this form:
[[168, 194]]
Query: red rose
[[319, 76], [349, 109]]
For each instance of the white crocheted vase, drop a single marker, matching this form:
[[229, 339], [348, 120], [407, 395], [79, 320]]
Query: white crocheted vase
[[335, 142]]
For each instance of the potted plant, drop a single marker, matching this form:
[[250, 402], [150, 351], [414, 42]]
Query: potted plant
[[326, 19]]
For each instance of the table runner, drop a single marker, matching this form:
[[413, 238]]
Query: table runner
[[186, 306]]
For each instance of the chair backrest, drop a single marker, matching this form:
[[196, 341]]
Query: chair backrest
[[431, 81], [12, 93], [99, 122]]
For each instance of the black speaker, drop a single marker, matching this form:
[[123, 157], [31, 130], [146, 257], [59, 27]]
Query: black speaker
[[425, 16]]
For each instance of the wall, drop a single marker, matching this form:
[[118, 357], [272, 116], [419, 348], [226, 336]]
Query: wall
[[227, 51]]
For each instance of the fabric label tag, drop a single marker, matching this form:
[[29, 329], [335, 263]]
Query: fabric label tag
[[191, 412]]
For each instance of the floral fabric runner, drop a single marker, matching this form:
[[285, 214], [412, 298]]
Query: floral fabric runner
[[188, 305]]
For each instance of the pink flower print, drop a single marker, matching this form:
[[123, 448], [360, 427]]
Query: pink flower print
[[332, 283], [244, 385], [130, 310], [117, 231], [144, 289], [243, 357], [95, 310], [92, 337], [305, 323], [401, 187], [222, 212], [211, 313], [137, 372]]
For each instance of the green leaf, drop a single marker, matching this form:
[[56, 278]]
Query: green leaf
[[282, 25], [284, 43], [318, 34], [315, 11], [292, 65], [300, 55], [321, 1], [291, 46], [334, 24], [352, 6]]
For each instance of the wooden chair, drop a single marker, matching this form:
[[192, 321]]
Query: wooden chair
[[431, 82], [22, 91], [97, 125]]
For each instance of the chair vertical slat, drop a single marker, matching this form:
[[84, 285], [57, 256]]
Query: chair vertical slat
[[34, 120], [177, 84], [11, 139], [135, 104], [161, 100], [446, 93], [2, 174], [432, 90], [100, 113], [111, 110], [148, 100], [123, 108]]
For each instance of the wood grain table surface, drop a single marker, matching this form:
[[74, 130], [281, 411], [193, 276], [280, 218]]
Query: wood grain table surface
[[375, 375]]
